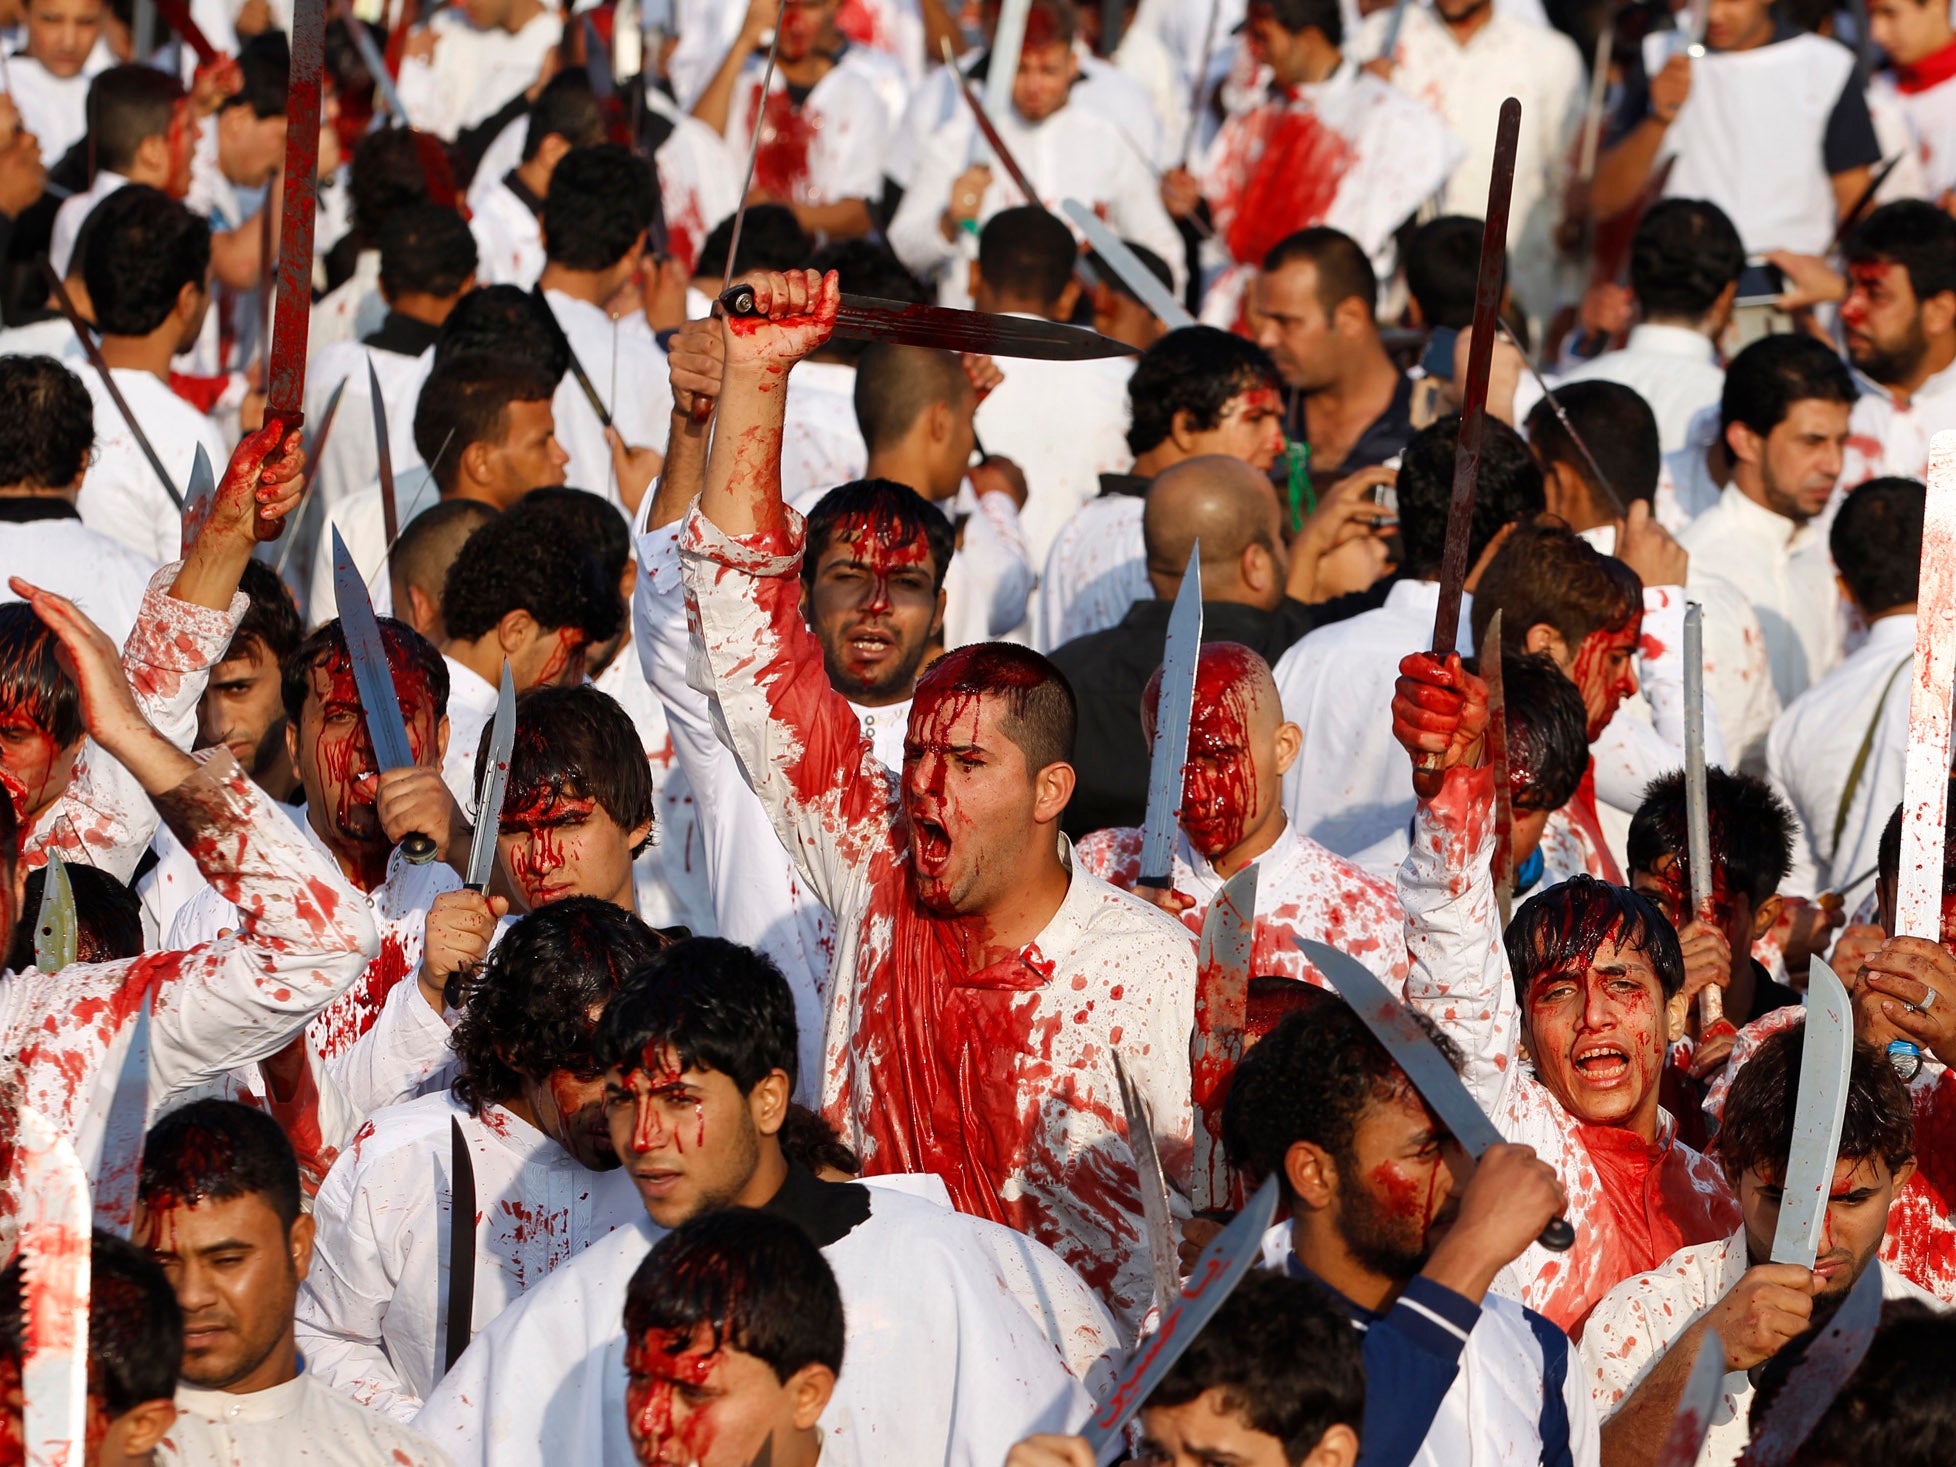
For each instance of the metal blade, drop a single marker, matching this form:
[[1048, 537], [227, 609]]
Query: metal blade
[[197, 502], [1154, 1186], [1826, 1058], [1853, 216], [1389, 42], [865, 318], [371, 674], [459, 1324], [1925, 771], [1230, 1255], [309, 506], [989, 131], [753, 157], [1599, 91], [57, 931], [597, 61], [576, 367], [54, 1248], [1497, 759], [119, 1167], [1136, 276], [1810, 1386], [376, 64], [177, 13], [292, 312], [1697, 811], [1222, 1001], [383, 456], [1200, 84], [1008, 36], [495, 779], [1691, 1421], [1173, 710]]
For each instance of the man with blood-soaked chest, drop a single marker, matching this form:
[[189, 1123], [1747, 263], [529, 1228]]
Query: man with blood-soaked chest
[[982, 979], [1590, 979], [1232, 814]]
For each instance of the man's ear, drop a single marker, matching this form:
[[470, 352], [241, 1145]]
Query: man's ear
[[1351, 317], [552, 149], [1052, 788], [152, 154], [441, 739], [1338, 1447], [1181, 429], [140, 1430], [939, 422], [476, 461], [515, 631], [190, 299], [767, 1102], [1939, 313], [1312, 1175], [1069, 297], [1290, 741], [810, 1389], [1542, 637], [937, 618], [1677, 1014], [299, 1242], [1765, 915], [424, 611], [1744, 445]]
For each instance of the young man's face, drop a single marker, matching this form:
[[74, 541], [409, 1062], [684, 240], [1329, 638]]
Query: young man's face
[[250, 148], [1736, 24], [1267, 40], [1664, 885], [1881, 321], [1294, 327], [1046, 71], [1798, 463], [241, 709], [1251, 428], [1604, 670], [529, 456], [335, 758], [1856, 1220], [570, 1109], [34, 761], [236, 1270], [61, 33], [968, 798], [688, 1404], [1597, 1032], [689, 1138], [1205, 1432], [561, 844], [1396, 1189], [874, 606], [1908, 30], [803, 23]]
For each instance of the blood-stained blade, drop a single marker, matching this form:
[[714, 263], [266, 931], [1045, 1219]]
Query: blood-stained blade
[[177, 13], [390, 512], [375, 681], [1222, 1002], [54, 1248], [1154, 1186], [989, 131], [864, 318], [1497, 761], [1925, 772], [376, 64], [1173, 710], [495, 779], [119, 1166], [292, 310], [1691, 1421], [1393, 1025], [1712, 1023], [309, 507], [57, 931], [1136, 276], [1811, 1385], [197, 503], [1826, 1057], [1230, 1255], [1473, 411], [1599, 90]]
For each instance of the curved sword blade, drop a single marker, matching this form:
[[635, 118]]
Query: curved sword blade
[[119, 1167], [1136, 276], [54, 1248], [390, 512], [495, 779], [1811, 1385], [1826, 1060], [1222, 1001], [1692, 1420], [1174, 709], [1154, 1186], [371, 674]]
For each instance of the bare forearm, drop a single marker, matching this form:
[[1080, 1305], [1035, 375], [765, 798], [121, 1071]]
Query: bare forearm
[[211, 571], [743, 474], [847, 219], [158, 765], [715, 105], [684, 475], [1622, 172], [1634, 1435]]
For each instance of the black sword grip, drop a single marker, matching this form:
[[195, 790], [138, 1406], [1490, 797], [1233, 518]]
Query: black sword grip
[[739, 301], [418, 849], [1558, 1236]]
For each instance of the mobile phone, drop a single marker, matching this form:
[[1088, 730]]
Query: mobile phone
[[1760, 285]]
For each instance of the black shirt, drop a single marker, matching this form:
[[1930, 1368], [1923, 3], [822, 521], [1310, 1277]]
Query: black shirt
[[1384, 437], [402, 335]]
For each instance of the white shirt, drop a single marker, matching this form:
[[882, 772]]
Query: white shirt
[[699, 181], [990, 578], [1813, 747], [1096, 569], [354, 309], [1785, 571], [361, 521], [821, 443], [473, 72], [1638, 1320], [303, 1420], [1673, 368], [121, 495], [102, 576], [74, 211], [55, 108], [828, 149], [508, 236], [372, 1315], [1929, 108], [1886, 436], [471, 704], [348, 463], [53, 337], [629, 374]]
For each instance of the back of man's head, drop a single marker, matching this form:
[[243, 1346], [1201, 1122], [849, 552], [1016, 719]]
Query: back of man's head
[[1914, 234], [108, 917], [1763, 382], [466, 401], [1196, 370], [265, 63], [521, 562], [1684, 254], [47, 425], [426, 250], [896, 385], [1756, 1130], [1618, 429], [143, 248], [1547, 575], [503, 321], [125, 105], [1221, 502], [1548, 732], [1343, 271], [387, 176], [599, 204], [428, 546], [1751, 833], [590, 521], [566, 108], [218, 1151], [1876, 542], [771, 239], [866, 267], [1443, 261], [1508, 490], [1025, 258], [714, 1004]]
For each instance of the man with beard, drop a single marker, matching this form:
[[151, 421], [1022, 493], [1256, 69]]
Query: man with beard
[[1404, 1237], [1899, 325], [530, 1100]]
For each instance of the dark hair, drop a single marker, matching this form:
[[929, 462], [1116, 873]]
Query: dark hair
[[47, 423], [1756, 1131], [1548, 574], [1028, 253], [1896, 1409], [1284, 1360], [1559, 929], [520, 562], [528, 1007], [265, 63], [505, 322], [771, 239], [217, 1151], [1041, 714], [271, 617], [1548, 732], [1888, 854], [31, 678], [754, 1279], [1616, 425], [1509, 490], [865, 266], [1876, 542], [1343, 270], [601, 199], [426, 250], [1302, 15], [430, 542], [387, 176], [896, 385], [575, 741], [1751, 831], [127, 104], [1052, 21], [1150, 261], [807, 1138], [325, 647], [565, 108], [1443, 264], [894, 513], [1683, 255], [1197, 370], [143, 248], [466, 401], [590, 520], [717, 1005], [1914, 234], [108, 916], [1764, 381], [135, 1327]]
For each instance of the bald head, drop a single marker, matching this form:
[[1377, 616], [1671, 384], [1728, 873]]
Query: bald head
[[1232, 510], [1233, 686], [1239, 748]]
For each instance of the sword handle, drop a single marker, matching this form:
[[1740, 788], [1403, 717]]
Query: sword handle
[[1558, 1236], [739, 301], [418, 849], [1428, 775]]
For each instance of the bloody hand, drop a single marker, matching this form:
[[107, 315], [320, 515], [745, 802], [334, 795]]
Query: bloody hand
[[1439, 708]]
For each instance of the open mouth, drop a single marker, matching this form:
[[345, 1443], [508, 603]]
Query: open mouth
[[1603, 1065], [932, 844], [867, 644]]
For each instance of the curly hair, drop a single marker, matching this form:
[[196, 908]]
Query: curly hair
[[1756, 1133]]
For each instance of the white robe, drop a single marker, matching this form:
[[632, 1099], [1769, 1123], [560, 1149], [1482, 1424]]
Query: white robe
[[473, 71], [104, 577], [628, 371], [302, 1420], [120, 494]]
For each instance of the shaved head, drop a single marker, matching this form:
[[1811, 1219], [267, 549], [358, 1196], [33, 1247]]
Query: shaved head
[[1239, 748], [1220, 501], [1231, 681]]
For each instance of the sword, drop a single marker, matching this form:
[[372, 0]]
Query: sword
[[292, 310], [1230, 1255], [375, 682], [1154, 1186], [1201, 84], [1393, 1025], [1222, 1000], [495, 779], [1826, 1059], [460, 1323], [1390, 41], [864, 318], [376, 64], [55, 1251], [1617, 506], [1691, 1421], [57, 930], [390, 513], [177, 13], [314, 450], [198, 501], [1174, 710], [576, 367], [118, 1167], [1136, 276], [1712, 1022], [1002, 68], [1810, 1386], [94, 355], [1497, 758], [990, 132], [1599, 89], [1853, 216], [1473, 411]]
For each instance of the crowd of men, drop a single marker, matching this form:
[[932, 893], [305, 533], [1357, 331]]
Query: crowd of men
[[606, 879]]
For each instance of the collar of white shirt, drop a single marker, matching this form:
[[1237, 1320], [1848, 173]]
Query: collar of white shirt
[[468, 688], [1274, 859], [1761, 526], [274, 1403], [1942, 384], [1671, 341]]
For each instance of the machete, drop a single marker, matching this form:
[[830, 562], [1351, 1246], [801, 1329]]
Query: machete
[[1811, 1385], [390, 513], [990, 132], [1200, 85], [1826, 1058], [864, 318], [199, 495], [1691, 1421], [1389, 42], [1712, 1023], [460, 1322], [1174, 709], [1497, 761], [292, 310], [1002, 65], [177, 13], [495, 779], [1137, 277], [1222, 1003], [577, 371], [54, 1247], [57, 931], [376, 64], [1617, 506], [118, 1166], [1154, 1186], [1393, 1025]]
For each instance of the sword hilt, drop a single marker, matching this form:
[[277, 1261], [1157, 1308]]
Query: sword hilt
[[418, 848], [1429, 774], [1558, 1236], [738, 300]]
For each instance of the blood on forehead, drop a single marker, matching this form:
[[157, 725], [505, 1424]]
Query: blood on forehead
[[333, 682], [196, 1161], [951, 688], [1229, 679]]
